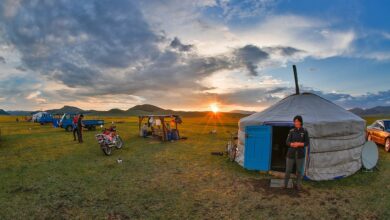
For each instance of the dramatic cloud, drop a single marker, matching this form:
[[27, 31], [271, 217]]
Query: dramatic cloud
[[250, 56], [79, 37], [106, 48], [118, 53]]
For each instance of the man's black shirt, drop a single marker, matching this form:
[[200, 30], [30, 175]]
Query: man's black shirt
[[297, 135], [80, 123]]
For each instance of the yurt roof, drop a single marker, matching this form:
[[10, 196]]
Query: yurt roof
[[313, 109]]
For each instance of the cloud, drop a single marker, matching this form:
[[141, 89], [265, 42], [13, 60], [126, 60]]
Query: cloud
[[386, 35], [81, 36], [245, 8], [176, 43], [36, 97], [378, 55], [21, 68], [102, 48], [16, 89], [258, 97], [250, 56], [284, 51], [348, 101], [82, 44], [315, 37]]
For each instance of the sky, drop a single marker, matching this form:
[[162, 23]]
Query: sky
[[187, 55]]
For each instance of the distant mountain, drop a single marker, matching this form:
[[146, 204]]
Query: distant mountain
[[20, 113], [242, 112], [357, 111], [378, 110], [2, 112], [66, 109], [116, 111], [146, 108]]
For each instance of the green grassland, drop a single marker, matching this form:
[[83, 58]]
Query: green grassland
[[44, 174]]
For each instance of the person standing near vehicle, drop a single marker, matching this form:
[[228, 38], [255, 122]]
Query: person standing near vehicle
[[74, 125], [80, 128], [297, 140]]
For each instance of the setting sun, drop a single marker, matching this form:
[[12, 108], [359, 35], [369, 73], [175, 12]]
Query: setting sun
[[214, 108]]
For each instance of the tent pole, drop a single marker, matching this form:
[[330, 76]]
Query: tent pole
[[164, 136], [139, 123]]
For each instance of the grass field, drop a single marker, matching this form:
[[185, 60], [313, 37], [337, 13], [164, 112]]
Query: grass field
[[44, 174]]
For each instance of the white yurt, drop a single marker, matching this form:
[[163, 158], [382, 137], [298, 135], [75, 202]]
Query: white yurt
[[336, 137]]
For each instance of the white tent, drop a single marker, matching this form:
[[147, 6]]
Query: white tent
[[336, 135]]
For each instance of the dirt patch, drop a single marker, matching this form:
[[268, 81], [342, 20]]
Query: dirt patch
[[117, 216], [256, 185], [263, 186]]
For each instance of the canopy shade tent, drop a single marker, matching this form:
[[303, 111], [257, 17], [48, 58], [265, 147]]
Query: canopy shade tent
[[336, 135], [162, 129]]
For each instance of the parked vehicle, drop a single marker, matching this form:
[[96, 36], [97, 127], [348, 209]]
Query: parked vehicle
[[379, 132], [42, 118], [109, 139], [66, 122]]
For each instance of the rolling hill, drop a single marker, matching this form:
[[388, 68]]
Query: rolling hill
[[20, 113], [2, 112], [242, 112], [378, 110], [148, 109], [67, 109]]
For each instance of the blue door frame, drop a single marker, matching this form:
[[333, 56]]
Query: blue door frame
[[258, 147]]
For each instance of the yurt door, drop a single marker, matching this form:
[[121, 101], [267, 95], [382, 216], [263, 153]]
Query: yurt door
[[258, 147]]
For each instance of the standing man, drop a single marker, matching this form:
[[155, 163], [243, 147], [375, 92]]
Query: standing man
[[80, 128], [74, 124], [297, 140]]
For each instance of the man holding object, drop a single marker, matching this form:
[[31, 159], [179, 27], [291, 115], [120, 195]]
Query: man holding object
[[297, 140]]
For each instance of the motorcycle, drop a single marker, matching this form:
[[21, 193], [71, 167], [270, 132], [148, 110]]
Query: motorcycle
[[109, 139]]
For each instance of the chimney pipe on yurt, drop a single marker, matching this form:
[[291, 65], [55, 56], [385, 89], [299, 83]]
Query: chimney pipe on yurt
[[296, 80]]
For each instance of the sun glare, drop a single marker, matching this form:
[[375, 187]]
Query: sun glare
[[214, 108]]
